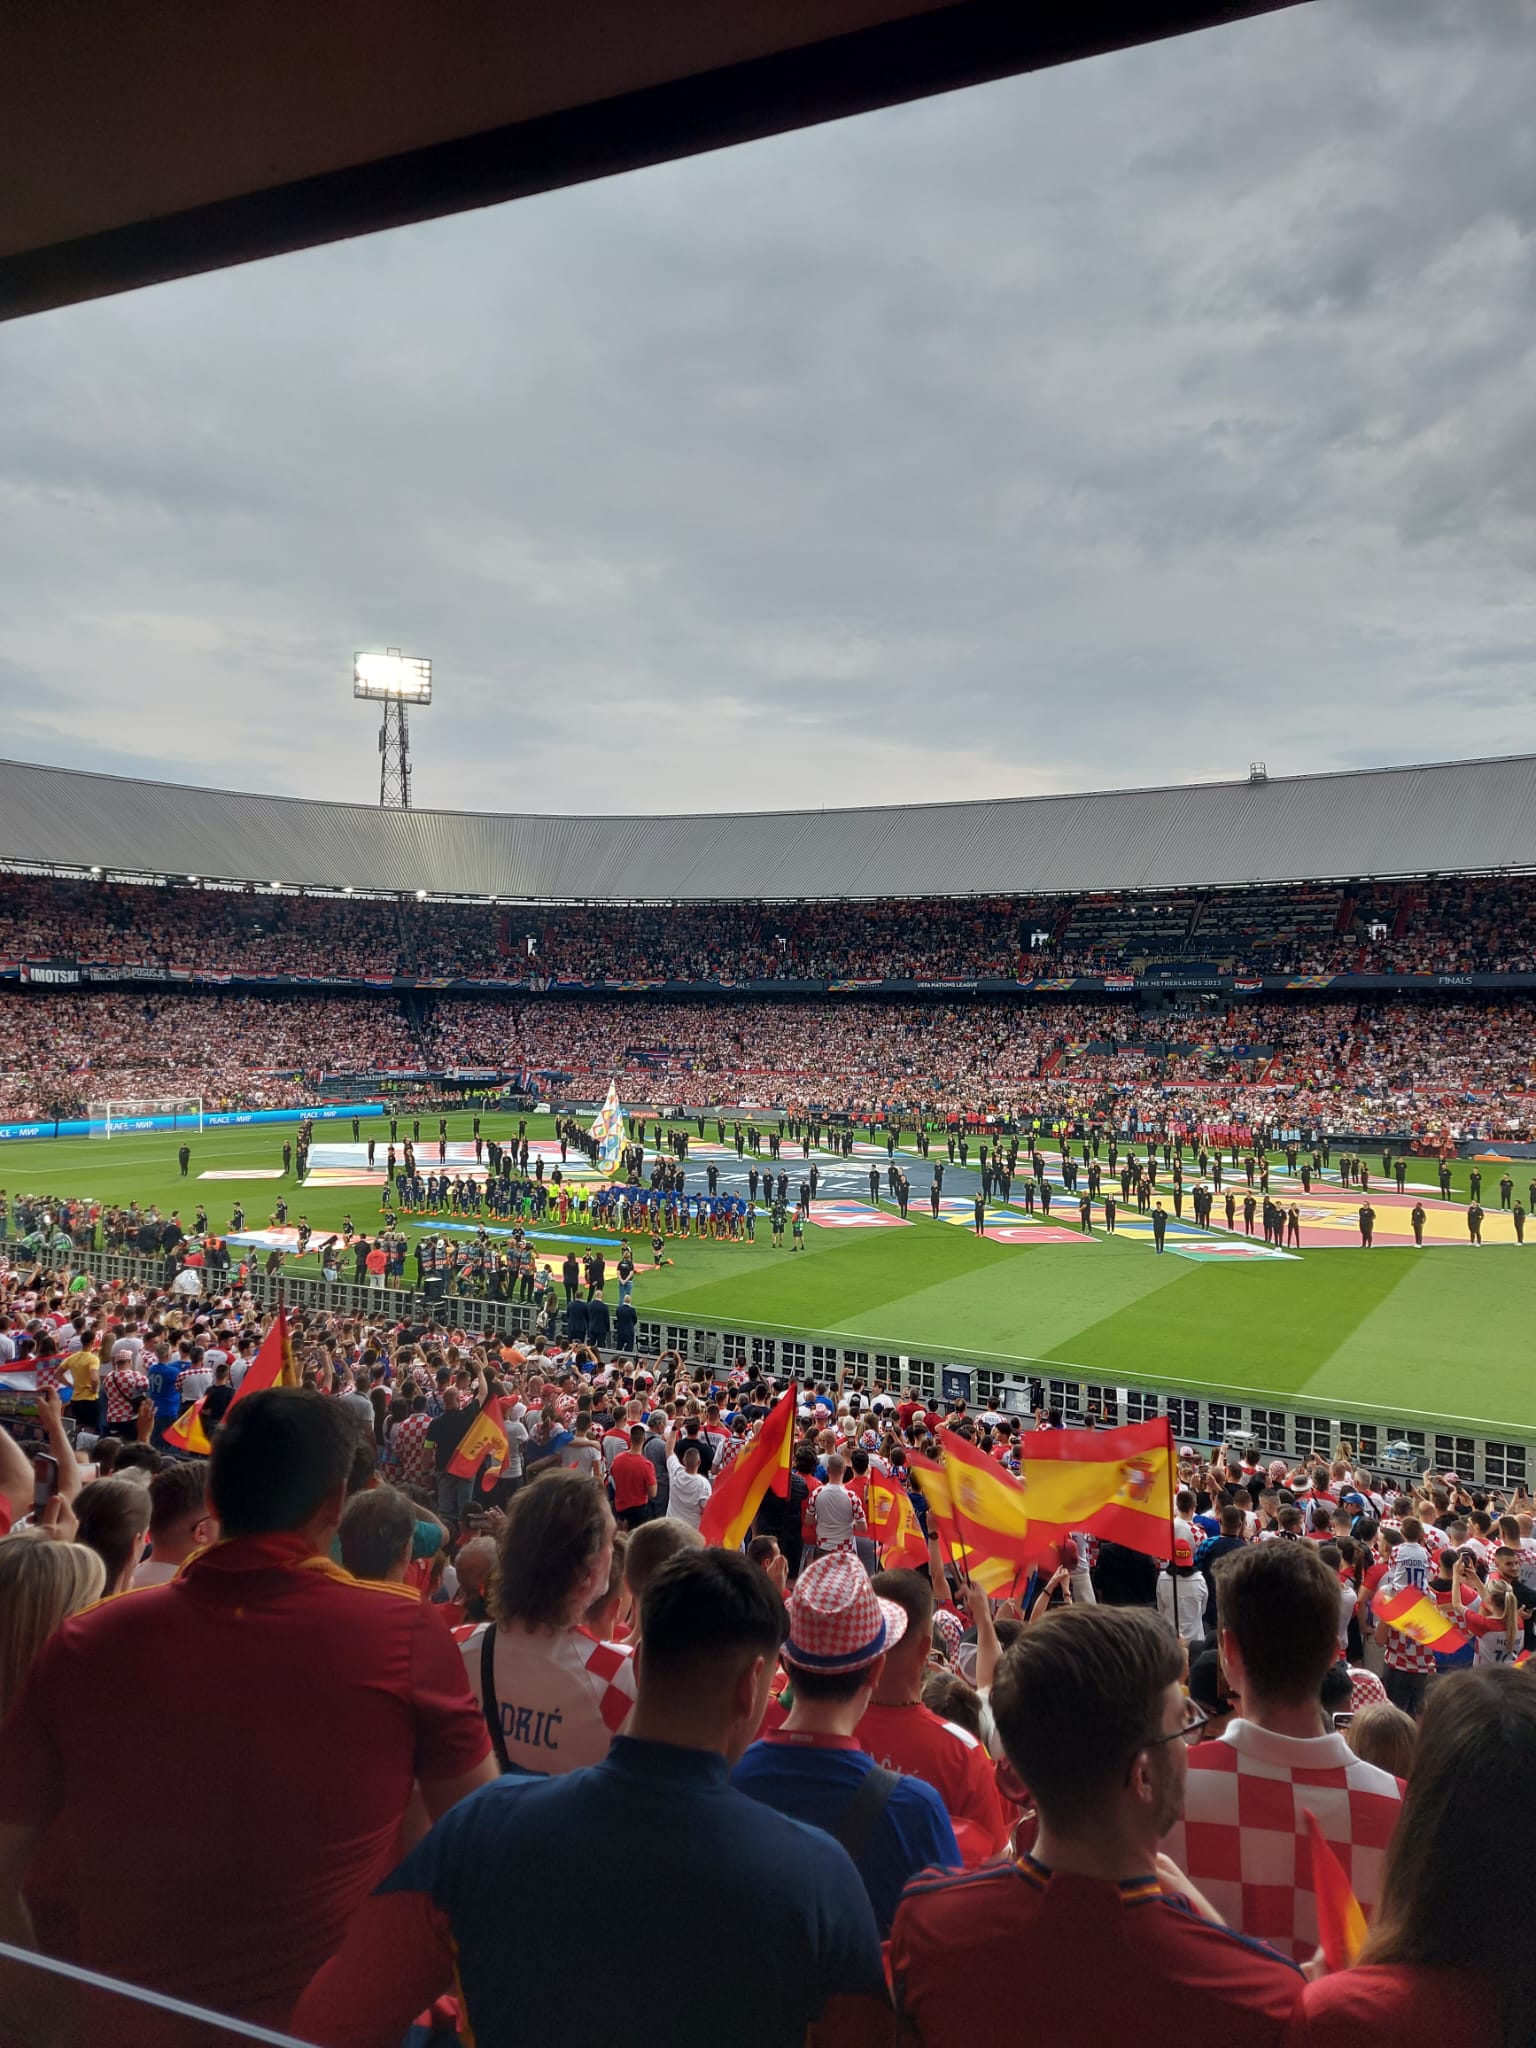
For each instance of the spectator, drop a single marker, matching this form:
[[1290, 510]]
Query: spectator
[[1089, 1930], [1427, 1972], [687, 1488], [552, 1698], [179, 1521], [802, 1942], [648, 1549], [378, 1529], [841, 1634], [1383, 1735], [111, 1517], [904, 1735], [1243, 1839], [244, 1632], [42, 1583]]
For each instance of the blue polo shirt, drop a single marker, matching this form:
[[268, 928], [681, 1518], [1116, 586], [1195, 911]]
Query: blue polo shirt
[[651, 1830], [813, 1778]]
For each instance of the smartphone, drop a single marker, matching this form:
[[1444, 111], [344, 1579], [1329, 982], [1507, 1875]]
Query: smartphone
[[45, 1480], [1342, 1721]]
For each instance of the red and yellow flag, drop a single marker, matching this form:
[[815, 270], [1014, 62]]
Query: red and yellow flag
[[1340, 1916], [273, 1366], [967, 1552], [730, 1510], [1415, 1615], [894, 1525], [1113, 1483], [486, 1437], [187, 1432], [988, 1504]]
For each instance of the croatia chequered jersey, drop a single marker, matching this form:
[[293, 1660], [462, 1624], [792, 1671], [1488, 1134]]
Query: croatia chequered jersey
[[1244, 1842], [409, 1451]]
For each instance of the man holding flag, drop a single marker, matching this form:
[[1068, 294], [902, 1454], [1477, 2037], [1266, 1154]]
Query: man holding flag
[[763, 1465]]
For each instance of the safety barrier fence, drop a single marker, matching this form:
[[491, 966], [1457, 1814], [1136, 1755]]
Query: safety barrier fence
[[1403, 1441], [31, 1983]]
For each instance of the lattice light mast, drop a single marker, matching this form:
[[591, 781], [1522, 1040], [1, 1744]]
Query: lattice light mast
[[394, 680]]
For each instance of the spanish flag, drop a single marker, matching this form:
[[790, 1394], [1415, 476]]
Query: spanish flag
[[967, 1553], [1415, 1615], [730, 1510], [1340, 1916], [273, 1366], [187, 1432], [1114, 1483], [987, 1503], [893, 1524], [485, 1438]]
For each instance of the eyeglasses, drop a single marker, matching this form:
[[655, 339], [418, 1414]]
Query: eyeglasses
[[1190, 1732]]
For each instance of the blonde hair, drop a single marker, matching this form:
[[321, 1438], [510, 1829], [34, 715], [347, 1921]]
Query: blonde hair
[[1383, 1735], [42, 1583]]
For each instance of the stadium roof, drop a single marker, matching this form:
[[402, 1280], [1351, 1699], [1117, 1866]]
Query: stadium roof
[[141, 142], [1457, 817]]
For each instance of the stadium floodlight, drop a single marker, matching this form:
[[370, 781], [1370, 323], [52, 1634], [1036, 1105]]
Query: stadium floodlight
[[395, 680], [392, 678], [421, 895]]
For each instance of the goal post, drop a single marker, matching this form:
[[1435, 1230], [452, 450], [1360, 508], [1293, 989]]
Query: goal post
[[145, 1113]]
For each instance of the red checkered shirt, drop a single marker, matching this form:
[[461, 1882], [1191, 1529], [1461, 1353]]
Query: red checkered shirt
[[1402, 1653], [410, 1453], [52, 1372], [120, 1385], [1243, 1839]]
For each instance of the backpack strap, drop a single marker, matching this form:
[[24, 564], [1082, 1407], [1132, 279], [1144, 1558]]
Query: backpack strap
[[858, 1819], [489, 1705]]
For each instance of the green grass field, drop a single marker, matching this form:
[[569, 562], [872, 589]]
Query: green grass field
[[1418, 1337]]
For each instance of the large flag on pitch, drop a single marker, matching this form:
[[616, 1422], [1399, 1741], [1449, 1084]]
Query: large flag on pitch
[[273, 1366], [485, 1437], [730, 1510], [608, 1129]]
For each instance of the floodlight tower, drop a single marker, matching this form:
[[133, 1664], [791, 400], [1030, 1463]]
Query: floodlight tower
[[394, 680]]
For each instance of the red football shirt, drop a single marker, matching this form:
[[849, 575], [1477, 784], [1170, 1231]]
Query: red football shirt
[[914, 1741], [315, 1702], [631, 1473], [1013, 1952]]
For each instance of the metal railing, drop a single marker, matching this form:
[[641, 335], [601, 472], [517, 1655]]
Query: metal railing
[[1384, 1439]]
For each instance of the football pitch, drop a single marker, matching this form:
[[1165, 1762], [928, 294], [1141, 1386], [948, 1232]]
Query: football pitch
[[1439, 1336]]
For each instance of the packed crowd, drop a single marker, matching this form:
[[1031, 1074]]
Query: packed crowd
[[1463, 1067], [1467, 1068], [490, 1680], [1465, 925], [60, 1050]]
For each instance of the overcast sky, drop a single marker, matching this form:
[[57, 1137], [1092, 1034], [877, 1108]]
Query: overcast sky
[[1120, 424]]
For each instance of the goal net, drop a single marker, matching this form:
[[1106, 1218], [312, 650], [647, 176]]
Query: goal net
[[145, 1113]]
